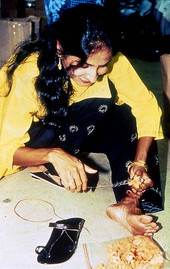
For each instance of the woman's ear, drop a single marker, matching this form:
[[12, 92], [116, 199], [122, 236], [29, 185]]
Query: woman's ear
[[59, 48], [60, 54]]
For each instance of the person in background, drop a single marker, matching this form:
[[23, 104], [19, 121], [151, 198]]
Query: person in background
[[72, 91], [54, 8], [162, 17]]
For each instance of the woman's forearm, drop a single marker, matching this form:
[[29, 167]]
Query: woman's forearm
[[143, 147], [25, 156]]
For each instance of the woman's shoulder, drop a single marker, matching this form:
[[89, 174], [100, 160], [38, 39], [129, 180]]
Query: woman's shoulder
[[25, 73], [118, 64], [119, 58], [29, 66], [23, 78]]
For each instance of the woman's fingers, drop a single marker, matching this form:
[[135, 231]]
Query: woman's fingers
[[74, 177], [89, 170], [71, 170], [81, 177], [140, 182], [57, 179], [68, 182]]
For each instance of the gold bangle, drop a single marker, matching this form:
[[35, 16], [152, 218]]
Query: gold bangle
[[139, 163], [142, 162]]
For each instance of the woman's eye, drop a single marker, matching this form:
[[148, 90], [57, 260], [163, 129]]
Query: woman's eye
[[103, 66]]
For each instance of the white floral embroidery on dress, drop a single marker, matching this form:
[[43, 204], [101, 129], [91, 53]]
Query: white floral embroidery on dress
[[156, 159], [103, 108], [62, 137], [76, 151], [134, 137], [73, 128], [90, 129]]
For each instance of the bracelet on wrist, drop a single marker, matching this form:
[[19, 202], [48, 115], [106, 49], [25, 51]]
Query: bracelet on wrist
[[137, 163]]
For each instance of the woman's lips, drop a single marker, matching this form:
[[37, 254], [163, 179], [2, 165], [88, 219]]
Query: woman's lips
[[85, 81]]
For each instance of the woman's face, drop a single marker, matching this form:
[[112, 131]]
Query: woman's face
[[95, 65]]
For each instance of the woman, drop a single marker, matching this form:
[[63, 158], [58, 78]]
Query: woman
[[71, 91]]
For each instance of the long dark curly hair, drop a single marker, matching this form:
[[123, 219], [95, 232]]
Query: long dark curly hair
[[79, 30]]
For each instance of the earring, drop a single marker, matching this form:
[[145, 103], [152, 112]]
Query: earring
[[59, 63]]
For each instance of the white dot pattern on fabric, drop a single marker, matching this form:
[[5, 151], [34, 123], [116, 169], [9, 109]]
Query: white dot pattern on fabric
[[62, 137], [73, 128], [76, 151], [90, 129], [156, 159], [103, 108], [134, 137]]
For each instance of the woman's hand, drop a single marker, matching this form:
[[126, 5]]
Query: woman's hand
[[71, 171], [139, 179]]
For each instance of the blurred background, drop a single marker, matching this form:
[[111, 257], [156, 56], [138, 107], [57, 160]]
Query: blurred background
[[18, 20], [139, 30]]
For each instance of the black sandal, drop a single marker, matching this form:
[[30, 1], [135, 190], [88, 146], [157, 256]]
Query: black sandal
[[62, 243]]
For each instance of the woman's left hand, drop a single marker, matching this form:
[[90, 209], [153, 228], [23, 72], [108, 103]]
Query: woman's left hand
[[139, 180]]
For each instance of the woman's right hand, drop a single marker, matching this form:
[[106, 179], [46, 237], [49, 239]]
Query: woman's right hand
[[71, 171]]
